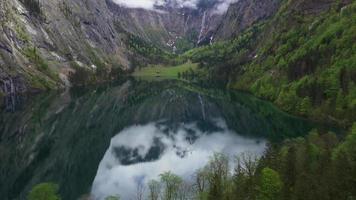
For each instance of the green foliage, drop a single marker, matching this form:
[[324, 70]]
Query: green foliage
[[33, 55], [44, 191], [44, 77], [305, 64], [21, 33], [349, 146], [184, 45], [171, 184], [270, 185], [149, 52], [218, 174], [41, 65], [221, 52], [219, 59], [166, 71], [154, 190]]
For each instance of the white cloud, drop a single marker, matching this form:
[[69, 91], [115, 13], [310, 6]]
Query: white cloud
[[145, 4], [221, 6]]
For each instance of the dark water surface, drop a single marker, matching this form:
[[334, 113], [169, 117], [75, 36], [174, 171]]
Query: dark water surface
[[105, 140]]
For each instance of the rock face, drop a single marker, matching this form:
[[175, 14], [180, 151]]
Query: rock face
[[166, 25], [41, 48], [243, 14]]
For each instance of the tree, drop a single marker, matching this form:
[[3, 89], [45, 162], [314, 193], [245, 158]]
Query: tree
[[270, 185], [44, 191], [218, 174], [244, 177], [344, 159], [185, 191], [172, 184], [289, 171], [305, 106], [201, 183], [140, 191], [154, 190]]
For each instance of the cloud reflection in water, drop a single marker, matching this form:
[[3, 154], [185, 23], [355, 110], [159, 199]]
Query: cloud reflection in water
[[140, 153]]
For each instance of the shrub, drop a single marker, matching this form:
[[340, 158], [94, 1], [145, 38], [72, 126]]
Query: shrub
[[44, 191]]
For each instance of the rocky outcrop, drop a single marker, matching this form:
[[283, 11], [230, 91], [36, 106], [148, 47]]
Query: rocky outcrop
[[243, 14]]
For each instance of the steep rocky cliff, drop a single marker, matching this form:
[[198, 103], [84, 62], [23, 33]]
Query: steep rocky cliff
[[41, 44], [168, 26], [243, 14]]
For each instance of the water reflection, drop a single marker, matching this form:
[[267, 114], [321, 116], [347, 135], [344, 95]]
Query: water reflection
[[126, 132], [140, 153]]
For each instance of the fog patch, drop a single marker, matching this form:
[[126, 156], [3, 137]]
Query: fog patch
[[219, 6], [140, 153]]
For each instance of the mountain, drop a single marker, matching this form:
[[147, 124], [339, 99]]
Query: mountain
[[302, 58], [168, 27], [298, 54], [53, 44]]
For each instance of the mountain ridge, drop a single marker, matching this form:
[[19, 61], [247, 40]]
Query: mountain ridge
[[43, 43]]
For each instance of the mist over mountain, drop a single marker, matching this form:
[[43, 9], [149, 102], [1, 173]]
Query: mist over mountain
[[220, 6]]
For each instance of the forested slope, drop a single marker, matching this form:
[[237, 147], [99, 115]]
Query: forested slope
[[303, 59]]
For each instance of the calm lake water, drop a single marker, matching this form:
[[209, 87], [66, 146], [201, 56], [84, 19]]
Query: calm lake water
[[105, 140]]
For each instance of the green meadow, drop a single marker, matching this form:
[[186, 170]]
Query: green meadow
[[165, 71]]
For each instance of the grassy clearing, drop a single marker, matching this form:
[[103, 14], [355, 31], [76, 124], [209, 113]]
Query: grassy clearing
[[164, 71]]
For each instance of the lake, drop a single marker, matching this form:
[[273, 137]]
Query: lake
[[105, 140]]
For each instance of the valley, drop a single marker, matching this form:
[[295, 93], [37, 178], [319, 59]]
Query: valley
[[177, 99]]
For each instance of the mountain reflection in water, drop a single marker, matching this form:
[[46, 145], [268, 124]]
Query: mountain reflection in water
[[104, 139]]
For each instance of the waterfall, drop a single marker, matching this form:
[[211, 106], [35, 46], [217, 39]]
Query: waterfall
[[186, 24], [10, 103], [10, 99], [211, 40], [8, 86], [12, 87], [202, 28], [202, 106], [5, 86]]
